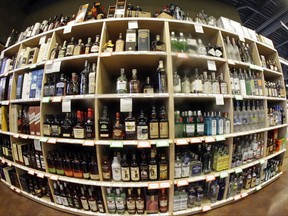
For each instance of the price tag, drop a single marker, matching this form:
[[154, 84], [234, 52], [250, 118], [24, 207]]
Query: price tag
[[57, 99], [133, 142], [237, 197], [210, 178], [144, 144], [52, 140], [258, 187], [164, 185], [238, 97], [40, 175], [46, 100], [24, 136], [195, 140], [238, 170], [75, 141], [182, 182], [262, 161], [9, 163], [16, 135], [89, 143], [223, 175], [231, 62], [67, 29], [152, 186], [162, 143], [209, 139], [206, 208], [244, 194], [49, 62], [241, 37], [32, 137], [198, 28], [219, 138], [66, 105], [116, 144], [47, 175], [42, 40], [211, 65], [37, 145], [132, 25], [126, 105], [17, 190], [54, 67], [33, 66], [31, 172], [43, 139], [12, 187], [182, 55], [106, 54], [219, 99], [54, 177], [181, 142]]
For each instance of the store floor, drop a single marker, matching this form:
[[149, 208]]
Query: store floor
[[271, 200]]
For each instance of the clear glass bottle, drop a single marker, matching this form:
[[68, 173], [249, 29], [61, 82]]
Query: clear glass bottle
[[119, 44], [176, 82], [134, 84], [122, 82]]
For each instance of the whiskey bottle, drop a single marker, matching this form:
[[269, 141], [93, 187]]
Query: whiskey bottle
[[93, 169], [120, 202], [61, 86], [84, 201], [152, 204], [153, 166], [118, 129], [54, 52], [106, 168], [163, 124], [78, 129], [153, 125], [122, 82], [162, 81], [78, 49], [104, 125], [88, 45], [92, 201], [134, 169], [125, 169], [66, 126], [67, 166], [111, 202], [77, 168], [176, 82], [134, 84], [148, 87], [119, 44], [84, 79], [199, 124], [95, 46], [144, 169], [163, 201], [92, 77], [163, 168], [89, 125], [131, 203], [70, 48], [85, 167], [74, 85], [58, 199], [56, 127], [130, 127], [62, 51], [158, 45], [76, 199], [64, 199], [47, 125], [140, 203], [142, 127], [116, 169]]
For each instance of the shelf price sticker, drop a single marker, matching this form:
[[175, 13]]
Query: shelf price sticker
[[89, 143], [244, 194], [211, 65], [210, 178], [219, 99], [144, 144], [224, 175], [182, 182], [54, 177], [182, 55], [9, 164], [54, 67], [16, 135], [52, 140], [126, 105], [75, 141], [162, 143], [206, 208], [66, 105], [132, 25], [238, 170], [12, 187], [152, 186], [198, 28], [45, 100], [237, 197], [195, 140], [31, 172], [43, 139], [238, 97], [165, 185], [47, 175], [262, 161], [42, 40], [33, 66], [231, 62], [57, 99], [209, 139], [181, 142], [24, 136], [17, 190], [219, 138], [67, 29], [116, 144], [40, 175], [259, 187], [106, 54]]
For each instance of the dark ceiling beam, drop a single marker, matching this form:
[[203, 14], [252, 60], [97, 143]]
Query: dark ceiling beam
[[282, 44], [244, 7], [273, 23]]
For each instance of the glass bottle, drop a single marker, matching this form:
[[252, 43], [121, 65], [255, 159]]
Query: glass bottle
[[104, 125], [130, 127], [148, 87], [153, 125], [134, 84], [144, 169], [118, 132], [140, 203], [119, 202], [106, 168], [163, 124], [163, 201], [111, 202], [78, 129], [93, 169], [142, 127], [153, 166], [125, 169], [54, 52], [92, 201], [201, 48], [163, 168], [88, 45], [174, 42], [89, 125], [162, 81], [70, 48], [158, 45], [131, 203], [95, 46], [119, 44], [182, 43], [176, 82], [122, 82]]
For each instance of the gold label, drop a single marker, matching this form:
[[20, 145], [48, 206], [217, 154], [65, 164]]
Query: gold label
[[46, 129], [154, 130], [79, 133], [164, 130], [163, 172]]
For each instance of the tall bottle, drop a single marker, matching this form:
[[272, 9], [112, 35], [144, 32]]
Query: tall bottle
[[125, 169], [122, 82], [142, 127], [119, 44], [130, 127], [95, 46], [153, 166], [163, 124], [162, 80], [134, 169], [118, 129], [134, 84], [70, 48], [153, 125], [104, 125]]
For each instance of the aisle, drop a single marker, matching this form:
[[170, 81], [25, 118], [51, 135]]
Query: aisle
[[271, 200]]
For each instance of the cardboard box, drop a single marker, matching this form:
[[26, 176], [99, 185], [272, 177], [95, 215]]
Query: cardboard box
[[37, 120], [224, 23], [131, 40], [143, 40], [32, 120]]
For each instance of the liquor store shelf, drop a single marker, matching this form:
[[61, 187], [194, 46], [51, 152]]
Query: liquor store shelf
[[225, 173], [203, 208], [244, 193]]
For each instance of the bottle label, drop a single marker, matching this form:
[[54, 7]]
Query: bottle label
[[142, 132], [46, 129], [198, 86], [224, 88], [177, 172], [89, 131], [105, 171], [121, 85], [117, 133], [111, 204], [130, 37], [190, 129], [164, 130], [154, 130], [196, 169], [58, 199], [119, 46], [200, 128], [135, 173], [218, 53], [116, 173], [177, 84], [220, 126], [64, 201], [125, 173], [55, 130], [131, 205], [130, 126], [79, 133], [185, 171], [215, 88], [140, 205], [213, 127], [94, 49], [94, 176], [207, 88], [163, 172], [119, 204], [153, 172], [92, 205], [236, 84], [163, 203], [227, 127], [148, 90], [144, 174], [212, 52]]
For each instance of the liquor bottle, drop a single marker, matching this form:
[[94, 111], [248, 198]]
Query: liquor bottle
[[153, 125], [118, 132], [58, 199], [116, 169], [95, 46], [11, 39], [70, 48], [163, 168], [93, 169], [122, 82], [207, 85], [61, 86], [78, 129], [111, 202], [214, 191], [84, 79], [158, 45], [91, 79], [185, 85], [119, 44], [63, 197], [100, 203], [163, 201], [92, 201], [182, 43], [162, 81], [74, 85], [163, 124], [62, 51], [134, 169], [153, 166], [144, 169], [125, 169], [104, 125], [119, 202], [134, 84], [140, 203], [76, 199], [69, 195], [50, 162], [201, 48], [148, 87], [85, 167], [152, 204], [106, 168], [142, 127], [47, 125], [66, 126], [199, 124], [56, 127], [189, 125], [67, 166], [54, 52], [174, 42], [131, 203], [176, 82], [89, 125], [88, 45], [207, 161], [77, 168], [78, 49]]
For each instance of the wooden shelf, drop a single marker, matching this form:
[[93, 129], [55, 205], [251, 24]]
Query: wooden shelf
[[140, 95]]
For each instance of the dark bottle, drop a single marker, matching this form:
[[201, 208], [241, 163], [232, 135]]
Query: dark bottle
[[125, 169], [56, 127], [142, 127], [84, 200], [67, 164], [58, 199], [51, 163], [78, 129], [106, 168], [76, 199], [144, 169], [85, 167], [55, 51], [104, 125], [61, 86], [84, 79], [130, 127], [46, 88], [92, 201], [74, 85], [100, 204], [153, 125], [52, 86], [77, 168], [66, 127], [93, 168], [131, 203], [163, 201], [158, 45], [134, 169], [163, 124], [68, 195], [89, 125], [63, 196], [47, 125], [140, 202], [148, 88], [59, 164], [118, 129], [37, 189], [153, 166]]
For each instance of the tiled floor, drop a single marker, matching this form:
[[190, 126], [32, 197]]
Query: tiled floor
[[271, 200]]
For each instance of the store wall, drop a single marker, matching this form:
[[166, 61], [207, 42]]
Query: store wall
[[11, 16], [40, 12]]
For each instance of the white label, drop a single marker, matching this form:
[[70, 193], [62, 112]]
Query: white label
[[132, 25], [191, 42], [42, 40], [54, 67], [219, 99], [131, 37], [66, 105], [67, 29], [211, 65], [58, 199], [37, 145], [213, 124], [198, 28], [126, 105]]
